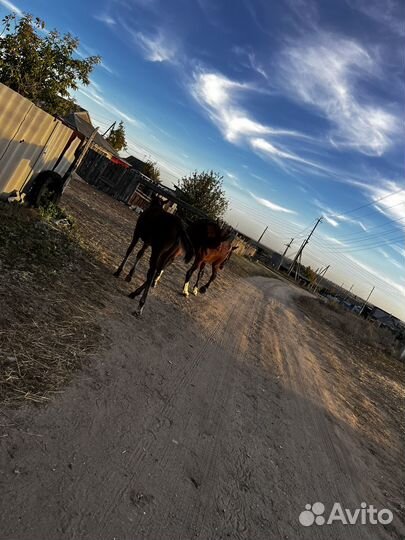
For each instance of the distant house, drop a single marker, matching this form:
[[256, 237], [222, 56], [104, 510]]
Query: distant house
[[136, 163], [80, 121], [384, 319]]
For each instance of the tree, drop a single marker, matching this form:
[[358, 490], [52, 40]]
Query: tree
[[117, 137], [151, 170], [311, 275], [204, 191], [42, 66]]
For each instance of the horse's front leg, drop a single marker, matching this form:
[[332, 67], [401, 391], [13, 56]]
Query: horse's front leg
[[189, 273], [127, 254], [144, 288], [214, 274], [199, 276]]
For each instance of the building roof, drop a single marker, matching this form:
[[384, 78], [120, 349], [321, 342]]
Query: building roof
[[136, 163], [81, 122]]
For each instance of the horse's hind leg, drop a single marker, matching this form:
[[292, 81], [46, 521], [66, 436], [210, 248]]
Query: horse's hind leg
[[127, 254], [139, 256], [189, 273], [200, 276]]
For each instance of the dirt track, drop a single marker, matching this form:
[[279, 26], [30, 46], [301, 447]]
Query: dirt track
[[213, 417]]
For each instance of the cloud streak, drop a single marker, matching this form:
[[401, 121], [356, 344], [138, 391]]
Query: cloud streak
[[271, 205], [324, 72], [156, 47], [99, 100], [11, 7]]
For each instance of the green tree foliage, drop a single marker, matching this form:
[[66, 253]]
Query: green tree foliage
[[117, 137], [311, 275], [204, 191], [151, 170], [41, 65]]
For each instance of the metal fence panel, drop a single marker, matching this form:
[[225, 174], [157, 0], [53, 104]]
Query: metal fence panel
[[31, 140]]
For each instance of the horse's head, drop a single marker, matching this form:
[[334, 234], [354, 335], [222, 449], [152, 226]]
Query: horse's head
[[228, 255], [156, 201]]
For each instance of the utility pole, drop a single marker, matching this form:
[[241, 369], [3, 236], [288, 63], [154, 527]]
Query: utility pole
[[365, 303], [111, 127], [287, 247], [348, 293], [261, 236], [321, 275], [317, 274], [304, 243], [79, 156]]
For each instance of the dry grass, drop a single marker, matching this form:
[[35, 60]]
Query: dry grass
[[351, 327], [49, 308], [243, 267]]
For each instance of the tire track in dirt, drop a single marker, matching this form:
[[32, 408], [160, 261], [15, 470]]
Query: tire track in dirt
[[206, 426], [148, 440], [332, 476]]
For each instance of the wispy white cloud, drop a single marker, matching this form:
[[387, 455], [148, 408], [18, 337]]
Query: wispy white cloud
[[99, 100], [232, 179], [324, 72], [156, 47], [387, 12], [105, 18], [334, 240], [221, 96], [393, 203], [334, 218], [399, 250], [263, 145], [269, 204], [391, 259], [393, 284], [11, 7], [250, 61]]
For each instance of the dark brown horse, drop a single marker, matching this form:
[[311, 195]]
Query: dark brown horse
[[212, 245], [166, 235]]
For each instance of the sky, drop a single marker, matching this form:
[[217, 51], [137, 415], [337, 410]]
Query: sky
[[299, 104]]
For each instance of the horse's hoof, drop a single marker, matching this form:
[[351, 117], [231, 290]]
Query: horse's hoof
[[138, 312], [186, 294], [195, 291], [128, 279], [117, 273], [131, 295], [203, 290]]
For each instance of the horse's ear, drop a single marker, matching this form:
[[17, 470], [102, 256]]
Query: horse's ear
[[234, 247]]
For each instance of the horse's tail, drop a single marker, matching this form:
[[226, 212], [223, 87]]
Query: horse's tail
[[187, 245]]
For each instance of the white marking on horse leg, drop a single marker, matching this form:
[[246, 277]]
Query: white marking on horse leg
[[157, 279], [195, 291], [185, 289]]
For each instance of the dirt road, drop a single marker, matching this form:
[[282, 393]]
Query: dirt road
[[213, 417]]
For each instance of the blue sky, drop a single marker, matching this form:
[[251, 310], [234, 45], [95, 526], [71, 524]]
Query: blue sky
[[298, 103]]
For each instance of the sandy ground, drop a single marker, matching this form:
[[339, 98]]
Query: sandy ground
[[216, 417]]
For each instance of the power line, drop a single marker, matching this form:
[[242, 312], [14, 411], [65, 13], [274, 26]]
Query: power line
[[365, 240], [365, 205], [362, 247], [378, 226]]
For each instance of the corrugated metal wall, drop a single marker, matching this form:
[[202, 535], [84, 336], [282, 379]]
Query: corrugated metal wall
[[31, 140]]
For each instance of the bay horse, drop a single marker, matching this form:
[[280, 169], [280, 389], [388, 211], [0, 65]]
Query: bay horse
[[212, 245], [166, 235]]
